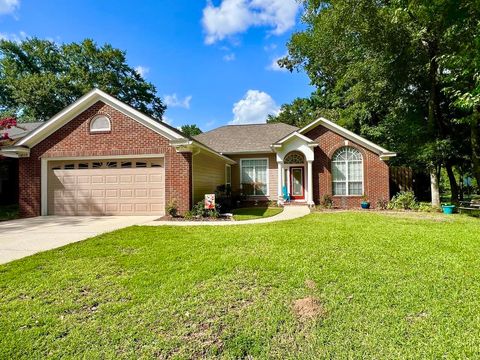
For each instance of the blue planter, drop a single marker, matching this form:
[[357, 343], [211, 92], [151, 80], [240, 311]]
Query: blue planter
[[448, 209], [365, 205]]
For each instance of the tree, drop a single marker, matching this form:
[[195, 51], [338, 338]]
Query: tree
[[38, 78], [378, 65], [303, 111], [190, 130], [6, 124]]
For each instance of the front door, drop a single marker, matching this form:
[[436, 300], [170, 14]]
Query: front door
[[297, 188]]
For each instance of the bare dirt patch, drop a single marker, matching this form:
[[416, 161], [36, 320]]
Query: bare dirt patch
[[308, 308]]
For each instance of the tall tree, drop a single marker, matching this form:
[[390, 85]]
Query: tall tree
[[378, 64], [190, 130], [38, 78]]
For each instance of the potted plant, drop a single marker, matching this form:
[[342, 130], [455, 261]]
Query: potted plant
[[365, 203]]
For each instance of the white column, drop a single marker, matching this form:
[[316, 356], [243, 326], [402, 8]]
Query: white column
[[310, 184], [279, 185]]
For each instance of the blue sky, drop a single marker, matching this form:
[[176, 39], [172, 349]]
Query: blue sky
[[211, 61]]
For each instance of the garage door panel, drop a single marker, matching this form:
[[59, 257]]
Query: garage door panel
[[126, 193], [126, 179], [106, 191], [111, 193], [141, 193], [97, 179], [98, 193]]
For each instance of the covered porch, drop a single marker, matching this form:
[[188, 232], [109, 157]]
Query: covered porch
[[295, 155]]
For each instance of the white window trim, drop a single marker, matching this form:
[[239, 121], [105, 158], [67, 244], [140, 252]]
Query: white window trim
[[347, 179], [109, 128], [228, 168], [268, 176]]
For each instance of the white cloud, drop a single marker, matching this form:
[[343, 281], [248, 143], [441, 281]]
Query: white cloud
[[22, 35], [174, 101], [8, 6], [236, 16], [254, 108], [229, 57], [142, 70], [270, 47], [274, 64]]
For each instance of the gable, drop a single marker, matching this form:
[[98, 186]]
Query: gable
[[126, 136], [347, 135], [84, 103]]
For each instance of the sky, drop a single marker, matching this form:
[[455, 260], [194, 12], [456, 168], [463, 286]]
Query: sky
[[213, 62]]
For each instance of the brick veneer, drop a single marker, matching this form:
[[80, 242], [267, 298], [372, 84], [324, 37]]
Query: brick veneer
[[127, 137], [376, 173]]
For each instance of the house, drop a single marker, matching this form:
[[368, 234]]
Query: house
[[100, 156], [9, 166]]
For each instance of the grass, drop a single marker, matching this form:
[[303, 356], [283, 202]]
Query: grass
[[8, 212], [389, 286], [252, 213]]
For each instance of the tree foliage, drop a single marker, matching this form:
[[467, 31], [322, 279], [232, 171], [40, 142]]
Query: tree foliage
[[38, 78], [190, 130], [403, 73]]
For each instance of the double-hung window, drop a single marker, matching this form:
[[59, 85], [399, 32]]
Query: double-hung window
[[254, 177], [228, 175]]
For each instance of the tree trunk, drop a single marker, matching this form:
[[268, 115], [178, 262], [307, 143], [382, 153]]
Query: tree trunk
[[435, 187], [453, 184], [475, 142]]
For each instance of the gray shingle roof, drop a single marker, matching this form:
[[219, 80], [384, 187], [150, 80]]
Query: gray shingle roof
[[17, 133], [232, 139]]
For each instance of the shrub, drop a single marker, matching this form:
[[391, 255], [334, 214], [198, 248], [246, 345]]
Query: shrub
[[326, 201], [199, 210], [188, 215], [426, 207], [382, 204], [404, 200], [172, 208]]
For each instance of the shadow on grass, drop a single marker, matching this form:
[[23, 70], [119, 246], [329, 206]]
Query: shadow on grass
[[9, 212]]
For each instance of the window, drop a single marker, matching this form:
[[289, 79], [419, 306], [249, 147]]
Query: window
[[254, 176], [347, 172], [100, 124], [294, 158], [140, 164], [228, 175]]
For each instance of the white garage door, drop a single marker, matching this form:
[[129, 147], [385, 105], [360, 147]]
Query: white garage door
[[107, 187]]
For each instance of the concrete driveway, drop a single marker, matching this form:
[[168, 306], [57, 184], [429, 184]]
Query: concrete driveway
[[24, 237]]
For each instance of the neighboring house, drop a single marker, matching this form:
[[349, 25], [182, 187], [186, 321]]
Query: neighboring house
[[9, 166], [100, 156]]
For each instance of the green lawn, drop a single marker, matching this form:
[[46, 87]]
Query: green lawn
[[384, 286], [252, 213]]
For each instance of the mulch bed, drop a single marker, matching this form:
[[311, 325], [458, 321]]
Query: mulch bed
[[201, 219]]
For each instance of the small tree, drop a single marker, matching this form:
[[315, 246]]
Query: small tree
[[5, 125]]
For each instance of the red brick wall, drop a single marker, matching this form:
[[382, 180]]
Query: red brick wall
[[376, 174], [127, 137]]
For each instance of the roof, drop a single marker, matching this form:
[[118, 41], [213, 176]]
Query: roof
[[25, 128], [382, 152], [32, 138], [232, 139]]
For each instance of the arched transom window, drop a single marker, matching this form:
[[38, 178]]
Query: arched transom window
[[294, 158], [347, 172], [100, 123]]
